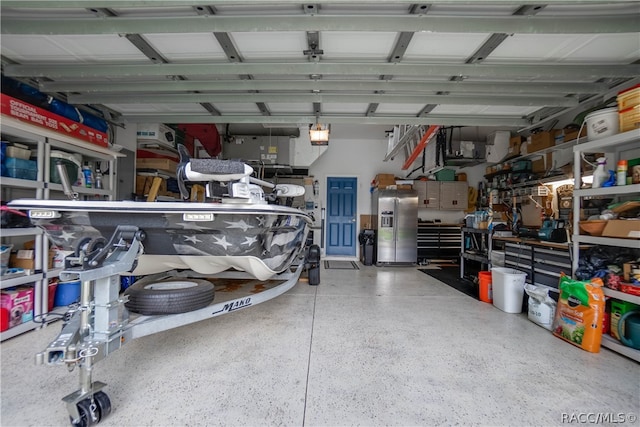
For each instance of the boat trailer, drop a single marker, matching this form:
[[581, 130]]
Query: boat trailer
[[101, 324]]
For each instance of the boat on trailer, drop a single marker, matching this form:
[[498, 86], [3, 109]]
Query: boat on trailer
[[239, 229], [237, 236], [208, 238]]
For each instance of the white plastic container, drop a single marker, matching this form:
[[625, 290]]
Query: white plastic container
[[18, 151], [508, 289], [602, 123]]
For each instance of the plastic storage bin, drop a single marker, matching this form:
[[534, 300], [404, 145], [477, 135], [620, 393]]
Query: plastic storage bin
[[67, 293], [21, 168], [446, 175], [71, 164], [508, 289], [18, 151]]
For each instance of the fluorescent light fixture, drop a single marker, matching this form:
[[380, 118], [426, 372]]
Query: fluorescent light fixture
[[319, 135]]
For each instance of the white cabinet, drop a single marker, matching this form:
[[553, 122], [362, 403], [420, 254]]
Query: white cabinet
[[41, 142], [614, 147]]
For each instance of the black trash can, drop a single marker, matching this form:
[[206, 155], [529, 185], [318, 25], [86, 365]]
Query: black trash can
[[367, 240]]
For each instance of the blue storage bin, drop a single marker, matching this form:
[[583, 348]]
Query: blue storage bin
[[67, 293], [3, 150], [21, 168]]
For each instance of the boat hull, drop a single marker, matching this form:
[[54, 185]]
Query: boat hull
[[207, 238]]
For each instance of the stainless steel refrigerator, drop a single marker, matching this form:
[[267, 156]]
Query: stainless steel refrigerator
[[396, 213]]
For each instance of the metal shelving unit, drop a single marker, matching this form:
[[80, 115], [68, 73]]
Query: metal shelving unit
[[42, 141], [612, 146], [480, 242]]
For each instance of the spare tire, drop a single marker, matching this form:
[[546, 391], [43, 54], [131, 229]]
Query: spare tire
[[170, 296]]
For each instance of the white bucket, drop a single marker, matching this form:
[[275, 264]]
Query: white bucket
[[602, 123], [508, 289]]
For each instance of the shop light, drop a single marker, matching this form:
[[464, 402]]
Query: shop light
[[319, 135]]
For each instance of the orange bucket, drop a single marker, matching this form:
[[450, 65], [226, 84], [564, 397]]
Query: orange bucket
[[486, 291]]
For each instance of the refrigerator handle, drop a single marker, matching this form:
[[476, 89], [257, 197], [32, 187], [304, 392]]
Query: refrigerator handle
[[396, 222]]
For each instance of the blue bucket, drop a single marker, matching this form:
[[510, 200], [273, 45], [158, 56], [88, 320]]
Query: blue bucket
[[67, 293]]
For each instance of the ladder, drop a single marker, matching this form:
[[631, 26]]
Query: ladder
[[411, 139]]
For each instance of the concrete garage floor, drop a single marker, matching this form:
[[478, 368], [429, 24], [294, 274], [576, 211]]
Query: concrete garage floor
[[375, 346]]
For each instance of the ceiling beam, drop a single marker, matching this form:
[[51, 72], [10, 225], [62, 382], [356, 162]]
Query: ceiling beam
[[490, 44], [305, 120], [512, 24], [415, 86], [399, 49], [563, 71], [225, 42], [146, 48], [37, 4], [217, 98]]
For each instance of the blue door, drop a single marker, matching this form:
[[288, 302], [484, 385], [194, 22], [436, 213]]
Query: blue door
[[341, 216]]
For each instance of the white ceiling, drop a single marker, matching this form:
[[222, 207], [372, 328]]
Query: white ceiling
[[376, 62]]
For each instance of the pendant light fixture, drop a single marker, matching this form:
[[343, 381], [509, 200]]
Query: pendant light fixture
[[319, 134]]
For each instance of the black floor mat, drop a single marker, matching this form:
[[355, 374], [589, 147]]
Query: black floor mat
[[451, 277], [341, 265]]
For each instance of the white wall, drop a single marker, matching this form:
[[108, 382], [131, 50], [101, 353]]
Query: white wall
[[355, 151], [359, 151]]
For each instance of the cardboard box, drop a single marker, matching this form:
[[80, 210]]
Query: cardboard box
[[541, 140], [24, 258], [626, 270], [539, 166], [514, 145], [404, 187], [383, 180], [366, 222], [566, 135], [624, 228], [18, 305]]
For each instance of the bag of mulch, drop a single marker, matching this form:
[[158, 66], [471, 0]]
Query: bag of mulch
[[579, 313]]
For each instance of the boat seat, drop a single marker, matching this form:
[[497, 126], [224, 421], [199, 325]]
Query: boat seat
[[206, 170]]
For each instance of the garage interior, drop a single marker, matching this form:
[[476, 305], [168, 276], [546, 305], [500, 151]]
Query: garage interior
[[439, 100]]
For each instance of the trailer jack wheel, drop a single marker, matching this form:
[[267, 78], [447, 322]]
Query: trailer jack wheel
[[104, 404], [92, 411], [88, 414]]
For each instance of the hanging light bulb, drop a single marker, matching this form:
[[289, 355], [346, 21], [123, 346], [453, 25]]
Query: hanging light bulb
[[319, 135]]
